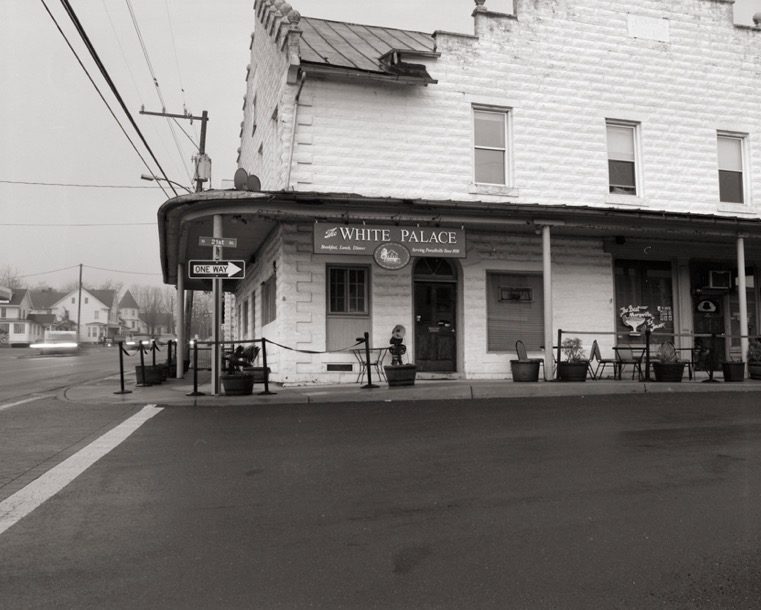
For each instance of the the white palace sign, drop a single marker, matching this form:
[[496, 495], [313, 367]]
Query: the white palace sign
[[360, 239]]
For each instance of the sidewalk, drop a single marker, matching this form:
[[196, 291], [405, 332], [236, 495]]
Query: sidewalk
[[175, 391]]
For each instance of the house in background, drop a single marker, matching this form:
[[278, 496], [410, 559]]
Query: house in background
[[129, 315], [18, 325]]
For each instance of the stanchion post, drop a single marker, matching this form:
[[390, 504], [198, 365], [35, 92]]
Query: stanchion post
[[121, 370], [169, 354], [266, 370], [195, 391], [560, 342], [369, 385], [142, 366], [647, 354]]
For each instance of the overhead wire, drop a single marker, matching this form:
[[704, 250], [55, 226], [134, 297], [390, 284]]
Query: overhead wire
[[102, 97], [86, 39], [84, 186], [157, 86]]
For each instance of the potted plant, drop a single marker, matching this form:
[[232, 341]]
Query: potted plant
[[576, 363], [734, 370], [754, 359], [667, 366], [398, 374], [525, 370], [236, 381]]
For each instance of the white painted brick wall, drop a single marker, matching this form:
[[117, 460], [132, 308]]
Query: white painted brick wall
[[563, 66]]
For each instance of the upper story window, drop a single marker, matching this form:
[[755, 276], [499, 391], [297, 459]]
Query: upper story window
[[622, 157], [490, 143], [731, 162]]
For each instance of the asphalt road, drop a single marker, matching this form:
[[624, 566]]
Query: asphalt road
[[25, 373], [645, 501]]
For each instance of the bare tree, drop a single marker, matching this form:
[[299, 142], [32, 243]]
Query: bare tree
[[156, 306], [10, 277]]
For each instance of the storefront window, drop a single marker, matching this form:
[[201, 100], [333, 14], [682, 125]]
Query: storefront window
[[515, 311], [645, 285]]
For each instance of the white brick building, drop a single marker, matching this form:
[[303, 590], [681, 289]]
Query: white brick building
[[589, 155]]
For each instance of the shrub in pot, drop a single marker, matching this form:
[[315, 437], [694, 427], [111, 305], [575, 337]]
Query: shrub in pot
[[667, 366], [398, 374], [576, 363]]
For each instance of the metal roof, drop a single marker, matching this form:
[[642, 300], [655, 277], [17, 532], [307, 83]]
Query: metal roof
[[355, 46]]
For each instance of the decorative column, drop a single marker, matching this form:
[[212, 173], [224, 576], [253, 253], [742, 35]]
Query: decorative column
[[742, 298], [547, 283], [179, 322]]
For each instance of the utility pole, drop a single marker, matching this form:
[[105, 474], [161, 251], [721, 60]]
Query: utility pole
[[79, 307], [184, 333]]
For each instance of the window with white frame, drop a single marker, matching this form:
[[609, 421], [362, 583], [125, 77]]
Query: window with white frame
[[622, 157], [731, 162], [490, 143]]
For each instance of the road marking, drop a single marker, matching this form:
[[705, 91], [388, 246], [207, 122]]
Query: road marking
[[21, 402], [24, 501]]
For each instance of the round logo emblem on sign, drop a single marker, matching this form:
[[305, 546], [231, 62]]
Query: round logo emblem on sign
[[392, 255], [707, 306]]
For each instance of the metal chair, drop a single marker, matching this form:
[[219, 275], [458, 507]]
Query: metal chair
[[520, 350], [601, 362], [627, 355]]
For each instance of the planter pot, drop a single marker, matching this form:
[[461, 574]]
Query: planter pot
[[524, 370], [237, 384], [733, 371], [257, 372], [573, 371], [401, 374], [152, 375], [754, 370], [668, 371]]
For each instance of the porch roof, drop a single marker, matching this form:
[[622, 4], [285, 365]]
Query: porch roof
[[251, 216]]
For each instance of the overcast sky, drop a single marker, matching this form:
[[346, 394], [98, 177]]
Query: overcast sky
[[56, 129]]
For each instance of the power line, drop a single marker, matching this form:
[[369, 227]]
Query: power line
[[156, 83], [48, 272], [121, 271], [84, 186], [176, 58], [74, 224], [100, 94], [112, 86]]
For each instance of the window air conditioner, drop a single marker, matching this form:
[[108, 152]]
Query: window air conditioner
[[720, 279]]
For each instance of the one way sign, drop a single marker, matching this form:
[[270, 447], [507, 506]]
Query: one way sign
[[215, 269]]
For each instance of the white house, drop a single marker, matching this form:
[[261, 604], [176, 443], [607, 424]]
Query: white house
[[553, 168], [18, 325]]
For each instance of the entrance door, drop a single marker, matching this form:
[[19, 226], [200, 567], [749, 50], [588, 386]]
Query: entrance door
[[435, 315]]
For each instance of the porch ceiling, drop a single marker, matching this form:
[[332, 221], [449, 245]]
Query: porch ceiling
[[250, 217]]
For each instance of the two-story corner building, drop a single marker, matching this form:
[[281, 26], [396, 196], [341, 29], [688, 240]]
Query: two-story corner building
[[129, 314], [559, 165]]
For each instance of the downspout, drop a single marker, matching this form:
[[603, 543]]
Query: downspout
[[302, 78]]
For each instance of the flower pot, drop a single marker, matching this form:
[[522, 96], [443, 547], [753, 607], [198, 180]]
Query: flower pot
[[237, 384], [754, 370], [733, 371], [668, 371], [257, 372], [152, 375], [400, 374], [524, 370], [573, 371]]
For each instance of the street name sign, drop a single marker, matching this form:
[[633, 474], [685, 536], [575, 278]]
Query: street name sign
[[225, 242], [230, 270]]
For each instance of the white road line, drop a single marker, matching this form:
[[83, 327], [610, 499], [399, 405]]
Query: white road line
[[21, 402], [24, 501]]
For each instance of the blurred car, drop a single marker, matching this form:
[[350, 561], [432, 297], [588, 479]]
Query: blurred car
[[58, 342]]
